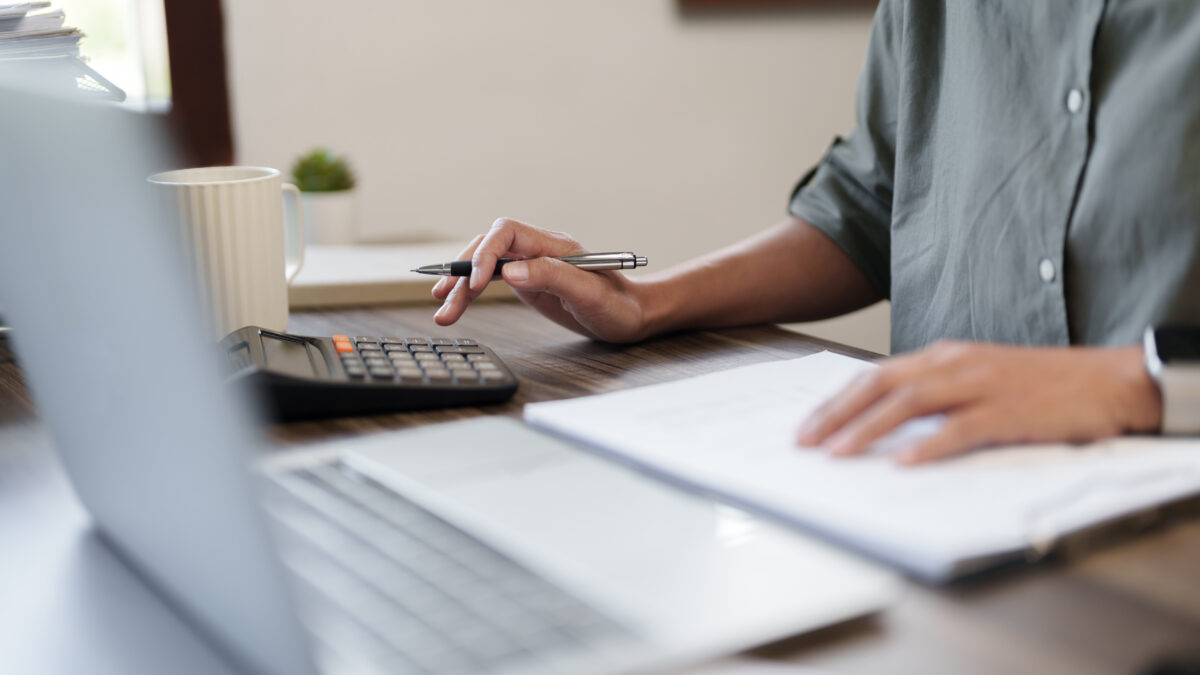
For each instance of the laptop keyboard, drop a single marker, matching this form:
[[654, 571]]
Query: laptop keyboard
[[386, 586]]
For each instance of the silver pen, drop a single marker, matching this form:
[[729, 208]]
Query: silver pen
[[585, 261]]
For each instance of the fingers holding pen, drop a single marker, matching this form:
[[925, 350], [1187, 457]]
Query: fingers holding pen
[[509, 236], [457, 298], [550, 275], [444, 285], [506, 238], [535, 280]]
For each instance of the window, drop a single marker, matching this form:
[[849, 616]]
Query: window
[[169, 58]]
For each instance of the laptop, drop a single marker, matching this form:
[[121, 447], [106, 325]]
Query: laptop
[[475, 546]]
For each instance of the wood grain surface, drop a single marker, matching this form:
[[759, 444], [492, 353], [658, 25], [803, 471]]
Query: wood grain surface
[[1117, 607]]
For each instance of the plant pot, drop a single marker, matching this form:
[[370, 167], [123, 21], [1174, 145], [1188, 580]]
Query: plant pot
[[331, 217]]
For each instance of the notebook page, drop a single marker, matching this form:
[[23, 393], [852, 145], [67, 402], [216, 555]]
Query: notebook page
[[733, 433]]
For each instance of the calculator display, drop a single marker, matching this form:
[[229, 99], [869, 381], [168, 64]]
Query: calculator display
[[287, 356]]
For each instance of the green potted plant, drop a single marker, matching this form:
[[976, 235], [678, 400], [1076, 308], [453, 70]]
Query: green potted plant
[[330, 197]]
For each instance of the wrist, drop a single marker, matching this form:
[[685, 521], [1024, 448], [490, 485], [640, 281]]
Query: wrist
[[1139, 397], [653, 297]]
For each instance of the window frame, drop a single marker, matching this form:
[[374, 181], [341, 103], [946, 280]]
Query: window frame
[[199, 112]]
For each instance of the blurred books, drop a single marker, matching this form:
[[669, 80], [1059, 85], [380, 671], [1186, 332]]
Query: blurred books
[[35, 41]]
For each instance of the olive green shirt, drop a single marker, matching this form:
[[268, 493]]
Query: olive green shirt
[[1023, 171]]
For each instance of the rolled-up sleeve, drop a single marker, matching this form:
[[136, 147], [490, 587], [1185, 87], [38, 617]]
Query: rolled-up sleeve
[[848, 195]]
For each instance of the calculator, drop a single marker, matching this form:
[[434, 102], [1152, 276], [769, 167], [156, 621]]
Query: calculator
[[304, 376]]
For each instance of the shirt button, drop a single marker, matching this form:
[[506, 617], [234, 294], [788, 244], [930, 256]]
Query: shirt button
[[1046, 270], [1074, 101]]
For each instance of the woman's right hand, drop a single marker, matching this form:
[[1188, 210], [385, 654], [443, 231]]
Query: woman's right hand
[[602, 305]]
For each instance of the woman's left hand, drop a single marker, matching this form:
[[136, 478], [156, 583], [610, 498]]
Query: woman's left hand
[[991, 395]]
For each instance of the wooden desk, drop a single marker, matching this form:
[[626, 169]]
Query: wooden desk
[[1115, 610]]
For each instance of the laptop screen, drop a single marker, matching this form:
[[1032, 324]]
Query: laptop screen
[[108, 335]]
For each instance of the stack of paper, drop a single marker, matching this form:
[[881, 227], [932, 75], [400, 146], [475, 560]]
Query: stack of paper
[[33, 30], [36, 44], [733, 434]]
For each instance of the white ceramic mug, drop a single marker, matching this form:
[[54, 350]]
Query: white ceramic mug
[[233, 222]]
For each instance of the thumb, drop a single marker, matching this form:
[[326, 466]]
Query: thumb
[[549, 275]]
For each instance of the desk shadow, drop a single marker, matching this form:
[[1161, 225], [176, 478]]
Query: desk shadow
[[700, 345], [837, 635]]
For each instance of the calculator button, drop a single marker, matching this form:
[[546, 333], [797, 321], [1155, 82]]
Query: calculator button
[[426, 356], [411, 373], [417, 341], [343, 347], [438, 375], [448, 349], [339, 338], [462, 342], [441, 341], [375, 362], [458, 358], [400, 356], [371, 353], [363, 338], [355, 373], [394, 347], [391, 341], [458, 365], [477, 357], [381, 373], [420, 348]]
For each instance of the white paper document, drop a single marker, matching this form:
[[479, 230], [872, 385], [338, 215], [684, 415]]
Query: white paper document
[[732, 433]]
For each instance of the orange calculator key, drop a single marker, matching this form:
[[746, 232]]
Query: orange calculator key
[[341, 338]]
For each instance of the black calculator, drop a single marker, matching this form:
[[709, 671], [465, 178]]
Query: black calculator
[[303, 376]]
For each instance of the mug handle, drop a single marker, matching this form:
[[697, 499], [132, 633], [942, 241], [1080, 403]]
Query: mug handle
[[292, 268]]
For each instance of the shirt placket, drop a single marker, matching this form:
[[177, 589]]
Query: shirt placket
[[1075, 105]]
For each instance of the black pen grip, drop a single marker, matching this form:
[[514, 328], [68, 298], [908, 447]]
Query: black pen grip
[[462, 268]]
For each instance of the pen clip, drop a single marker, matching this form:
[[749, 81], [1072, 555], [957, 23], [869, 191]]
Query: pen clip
[[598, 257], [605, 261]]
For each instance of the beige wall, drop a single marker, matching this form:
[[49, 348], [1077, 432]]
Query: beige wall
[[619, 121]]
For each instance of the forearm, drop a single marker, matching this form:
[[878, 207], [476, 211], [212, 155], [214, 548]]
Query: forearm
[[789, 272]]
